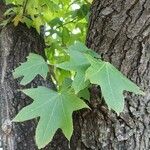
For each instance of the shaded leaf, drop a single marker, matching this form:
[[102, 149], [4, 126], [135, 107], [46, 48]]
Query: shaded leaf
[[85, 94]]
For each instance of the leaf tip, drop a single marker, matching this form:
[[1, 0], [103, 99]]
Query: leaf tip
[[15, 76], [22, 83], [142, 93], [15, 119]]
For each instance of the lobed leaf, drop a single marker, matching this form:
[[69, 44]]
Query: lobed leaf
[[112, 83], [29, 70], [55, 111]]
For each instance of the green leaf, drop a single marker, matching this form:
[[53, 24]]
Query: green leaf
[[29, 70], [85, 94], [60, 75], [38, 22], [79, 82], [66, 85], [83, 11], [17, 19], [112, 83], [55, 111], [65, 35], [81, 47], [78, 63]]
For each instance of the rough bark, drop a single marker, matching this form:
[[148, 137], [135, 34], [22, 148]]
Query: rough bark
[[120, 31], [15, 45], [2, 10]]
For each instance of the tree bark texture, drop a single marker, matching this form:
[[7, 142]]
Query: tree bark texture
[[15, 45], [120, 31]]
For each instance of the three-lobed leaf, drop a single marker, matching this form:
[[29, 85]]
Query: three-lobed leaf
[[34, 65], [55, 111], [112, 83], [78, 63]]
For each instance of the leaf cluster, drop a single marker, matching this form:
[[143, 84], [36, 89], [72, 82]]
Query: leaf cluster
[[55, 108], [75, 67]]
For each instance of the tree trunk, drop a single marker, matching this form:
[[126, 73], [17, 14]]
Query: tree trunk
[[120, 31], [15, 45]]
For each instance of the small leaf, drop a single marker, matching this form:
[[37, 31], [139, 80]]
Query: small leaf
[[38, 22], [65, 35], [55, 111], [112, 83], [78, 63], [35, 65], [17, 19]]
